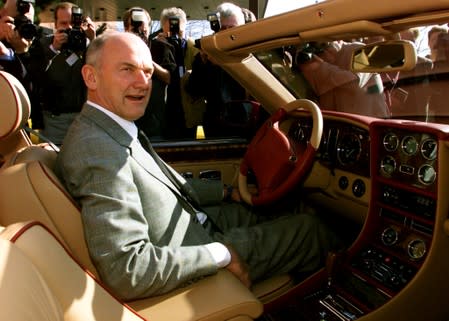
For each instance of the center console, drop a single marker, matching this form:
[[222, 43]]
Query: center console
[[396, 236]]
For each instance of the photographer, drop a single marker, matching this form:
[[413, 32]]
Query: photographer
[[63, 90], [173, 25], [18, 39], [13, 42], [137, 20], [214, 83]]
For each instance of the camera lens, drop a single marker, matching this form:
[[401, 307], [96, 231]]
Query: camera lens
[[25, 27]]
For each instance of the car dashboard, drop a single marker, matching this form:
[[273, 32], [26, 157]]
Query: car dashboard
[[395, 169]]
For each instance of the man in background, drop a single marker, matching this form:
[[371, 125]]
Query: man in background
[[62, 90]]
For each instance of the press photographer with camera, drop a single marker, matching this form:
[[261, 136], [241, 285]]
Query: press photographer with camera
[[212, 82], [19, 37], [173, 23], [17, 30], [62, 88]]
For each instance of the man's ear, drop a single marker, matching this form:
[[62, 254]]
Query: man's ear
[[90, 76]]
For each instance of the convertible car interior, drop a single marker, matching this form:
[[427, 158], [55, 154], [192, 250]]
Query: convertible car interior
[[379, 182]]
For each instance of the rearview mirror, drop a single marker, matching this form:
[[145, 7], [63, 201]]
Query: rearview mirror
[[384, 56]]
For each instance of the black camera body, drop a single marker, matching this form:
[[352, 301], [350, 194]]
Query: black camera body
[[173, 23], [214, 20], [76, 36], [215, 25], [25, 26]]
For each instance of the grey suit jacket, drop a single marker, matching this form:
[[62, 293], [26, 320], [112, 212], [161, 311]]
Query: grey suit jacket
[[141, 239]]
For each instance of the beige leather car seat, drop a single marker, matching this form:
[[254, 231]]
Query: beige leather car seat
[[39, 280], [14, 113]]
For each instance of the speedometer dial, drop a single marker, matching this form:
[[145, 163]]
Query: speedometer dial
[[409, 145], [349, 149], [427, 174], [429, 149], [388, 165], [391, 142]]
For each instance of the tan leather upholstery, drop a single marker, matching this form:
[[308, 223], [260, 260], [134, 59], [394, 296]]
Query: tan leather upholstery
[[41, 281], [14, 113], [31, 191], [15, 106]]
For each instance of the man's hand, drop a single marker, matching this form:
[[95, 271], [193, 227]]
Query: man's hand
[[59, 39], [89, 28], [10, 35], [238, 267], [6, 28], [19, 44]]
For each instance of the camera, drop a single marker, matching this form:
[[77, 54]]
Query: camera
[[306, 52], [214, 20], [76, 36], [25, 26], [137, 20], [173, 23], [215, 25]]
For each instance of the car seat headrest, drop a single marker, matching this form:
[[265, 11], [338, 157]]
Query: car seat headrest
[[15, 106]]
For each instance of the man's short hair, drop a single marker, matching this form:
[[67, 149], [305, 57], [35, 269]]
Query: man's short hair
[[62, 5], [173, 12], [228, 9]]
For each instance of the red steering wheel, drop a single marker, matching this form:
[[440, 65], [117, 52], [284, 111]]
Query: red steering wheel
[[278, 163]]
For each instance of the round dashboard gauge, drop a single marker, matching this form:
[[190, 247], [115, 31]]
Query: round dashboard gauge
[[429, 148], [416, 249], [389, 236], [427, 174], [391, 142], [388, 165], [409, 145], [349, 148]]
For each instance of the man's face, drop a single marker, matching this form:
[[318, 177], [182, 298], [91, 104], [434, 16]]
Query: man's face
[[63, 19], [123, 77], [231, 22]]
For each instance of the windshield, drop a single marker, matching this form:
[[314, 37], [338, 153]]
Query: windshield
[[320, 71]]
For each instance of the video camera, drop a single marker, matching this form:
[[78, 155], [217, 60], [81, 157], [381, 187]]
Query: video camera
[[309, 49], [25, 26], [76, 36]]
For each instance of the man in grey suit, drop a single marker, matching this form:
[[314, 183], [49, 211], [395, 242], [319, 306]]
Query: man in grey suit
[[148, 230]]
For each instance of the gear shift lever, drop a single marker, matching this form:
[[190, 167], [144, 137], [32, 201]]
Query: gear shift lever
[[331, 261]]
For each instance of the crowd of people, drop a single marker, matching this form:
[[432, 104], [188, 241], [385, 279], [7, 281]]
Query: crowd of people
[[49, 64]]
